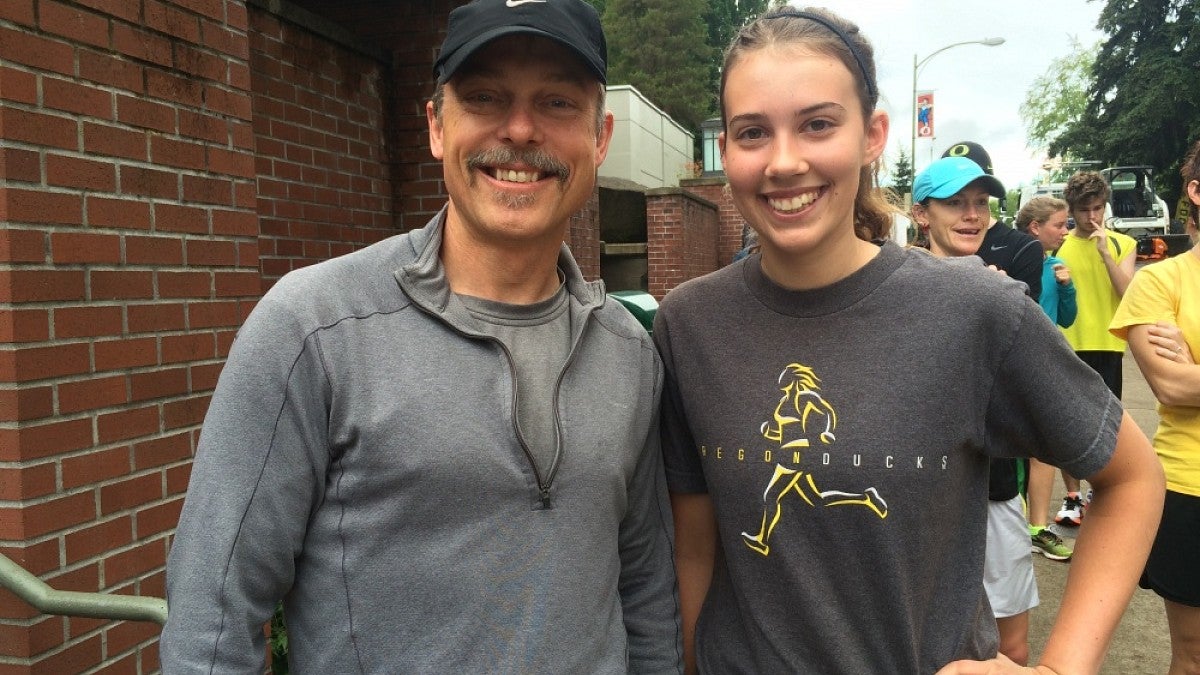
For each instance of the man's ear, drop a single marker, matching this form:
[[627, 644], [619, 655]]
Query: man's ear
[[435, 130], [603, 139]]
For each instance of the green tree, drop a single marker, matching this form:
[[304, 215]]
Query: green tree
[[1144, 98], [1012, 203], [902, 173], [1058, 98], [724, 18], [661, 48]]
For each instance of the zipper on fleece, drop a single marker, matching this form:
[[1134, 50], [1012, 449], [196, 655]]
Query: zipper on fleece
[[544, 485]]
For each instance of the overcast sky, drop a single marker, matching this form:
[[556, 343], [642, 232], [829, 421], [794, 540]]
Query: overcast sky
[[977, 89]]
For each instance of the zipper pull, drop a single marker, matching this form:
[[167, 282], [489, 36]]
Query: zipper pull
[[545, 497]]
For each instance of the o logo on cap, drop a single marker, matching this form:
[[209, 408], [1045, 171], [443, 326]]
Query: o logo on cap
[[960, 150]]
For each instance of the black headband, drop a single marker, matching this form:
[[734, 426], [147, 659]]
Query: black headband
[[862, 66]]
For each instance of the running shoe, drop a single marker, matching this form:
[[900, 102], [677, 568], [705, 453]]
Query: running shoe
[[1050, 545], [1071, 513]]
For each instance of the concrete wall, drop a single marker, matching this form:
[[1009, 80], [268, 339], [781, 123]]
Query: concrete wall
[[648, 147]]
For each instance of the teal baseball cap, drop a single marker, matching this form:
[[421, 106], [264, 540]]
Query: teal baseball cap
[[946, 176]]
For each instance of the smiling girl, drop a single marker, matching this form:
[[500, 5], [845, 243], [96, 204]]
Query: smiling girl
[[831, 404]]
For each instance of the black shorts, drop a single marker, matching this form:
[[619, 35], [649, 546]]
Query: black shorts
[[1171, 571], [1108, 364]]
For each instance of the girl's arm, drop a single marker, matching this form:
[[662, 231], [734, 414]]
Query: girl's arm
[[1167, 362], [695, 555], [1110, 553]]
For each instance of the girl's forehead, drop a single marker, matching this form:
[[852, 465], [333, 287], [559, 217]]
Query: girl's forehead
[[785, 67], [782, 52]]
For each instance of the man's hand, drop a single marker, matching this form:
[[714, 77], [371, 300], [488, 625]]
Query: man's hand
[[1062, 275], [1100, 236]]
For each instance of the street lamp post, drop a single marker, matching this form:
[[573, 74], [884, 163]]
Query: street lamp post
[[917, 65]]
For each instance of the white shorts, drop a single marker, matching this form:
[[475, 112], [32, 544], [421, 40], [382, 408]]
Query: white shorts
[[1008, 562]]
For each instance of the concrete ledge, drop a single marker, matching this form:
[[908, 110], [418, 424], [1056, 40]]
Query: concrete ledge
[[681, 191], [624, 249]]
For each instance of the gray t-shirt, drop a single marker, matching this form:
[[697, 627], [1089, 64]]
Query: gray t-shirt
[[538, 339], [844, 434]]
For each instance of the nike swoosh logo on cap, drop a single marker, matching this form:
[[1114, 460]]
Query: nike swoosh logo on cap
[[516, 3], [997, 248]]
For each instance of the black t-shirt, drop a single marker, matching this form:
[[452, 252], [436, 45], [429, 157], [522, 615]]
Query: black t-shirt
[[1020, 256]]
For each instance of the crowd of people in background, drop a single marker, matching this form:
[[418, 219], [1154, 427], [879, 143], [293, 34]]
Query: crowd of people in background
[[1089, 288]]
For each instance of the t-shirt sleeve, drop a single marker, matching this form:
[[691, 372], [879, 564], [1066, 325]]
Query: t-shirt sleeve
[[1047, 403], [1147, 300], [680, 457], [1027, 267]]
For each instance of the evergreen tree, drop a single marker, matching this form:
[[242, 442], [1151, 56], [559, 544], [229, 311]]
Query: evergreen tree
[[724, 18], [902, 173], [661, 48], [1144, 99]]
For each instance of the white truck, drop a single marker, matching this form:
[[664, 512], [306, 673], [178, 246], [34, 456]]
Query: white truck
[[1134, 208]]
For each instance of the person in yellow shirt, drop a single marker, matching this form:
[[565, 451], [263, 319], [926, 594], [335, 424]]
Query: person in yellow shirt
[[1101, 263], [1160, 316]]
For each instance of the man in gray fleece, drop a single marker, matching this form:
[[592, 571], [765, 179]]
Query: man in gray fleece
[[441, 451]]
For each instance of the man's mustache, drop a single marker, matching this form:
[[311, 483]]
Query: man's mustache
[[538, 159]]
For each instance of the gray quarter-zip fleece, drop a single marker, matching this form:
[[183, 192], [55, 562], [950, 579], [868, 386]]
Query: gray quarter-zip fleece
[[359, 460]]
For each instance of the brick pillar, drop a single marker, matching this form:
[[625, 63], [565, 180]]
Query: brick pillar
[[128, 257], [729, 220], [681, 238], [583, 236]]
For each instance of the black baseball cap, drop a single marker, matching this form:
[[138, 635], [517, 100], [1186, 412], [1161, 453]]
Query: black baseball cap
[[973, 152], [572, 23]]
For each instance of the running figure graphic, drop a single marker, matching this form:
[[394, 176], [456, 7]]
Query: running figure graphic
[[801, 415]]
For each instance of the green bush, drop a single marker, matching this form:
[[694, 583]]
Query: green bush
[[278, 642]]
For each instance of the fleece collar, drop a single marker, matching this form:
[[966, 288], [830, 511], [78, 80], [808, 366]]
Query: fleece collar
[[423, 278]]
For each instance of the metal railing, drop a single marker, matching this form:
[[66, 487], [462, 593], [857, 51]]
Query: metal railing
[[75, 603]]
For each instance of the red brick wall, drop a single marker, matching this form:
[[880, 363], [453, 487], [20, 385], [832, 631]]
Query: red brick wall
[[729, 237], [128, 257], [681, 238], [323, 183], [584, 237], [414, 31]]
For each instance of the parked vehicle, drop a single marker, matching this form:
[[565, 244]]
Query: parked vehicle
[[1134, 208]]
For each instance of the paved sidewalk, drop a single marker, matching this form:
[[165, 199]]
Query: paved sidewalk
[[1141, 644]]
